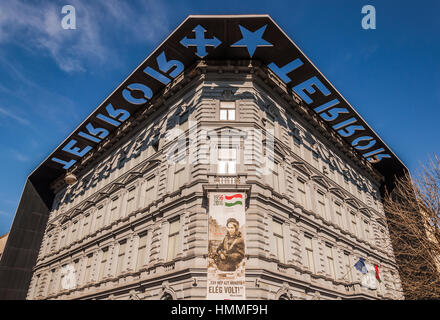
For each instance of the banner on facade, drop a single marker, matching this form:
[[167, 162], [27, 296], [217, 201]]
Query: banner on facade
[[369, 278], [226, 246]]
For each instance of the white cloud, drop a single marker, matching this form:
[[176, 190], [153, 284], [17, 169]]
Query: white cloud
[[19, 156], [99, 24], [4, 213], [20, 119]]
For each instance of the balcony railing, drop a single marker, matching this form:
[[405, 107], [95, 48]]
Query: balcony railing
[[227, 178]]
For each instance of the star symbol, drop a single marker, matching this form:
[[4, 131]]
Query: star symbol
[[252, 40]]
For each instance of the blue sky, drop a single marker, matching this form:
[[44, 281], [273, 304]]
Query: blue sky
[[51, 78]]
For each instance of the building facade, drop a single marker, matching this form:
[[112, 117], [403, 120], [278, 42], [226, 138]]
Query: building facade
[[229, 105], [3, 240], [135, 225]]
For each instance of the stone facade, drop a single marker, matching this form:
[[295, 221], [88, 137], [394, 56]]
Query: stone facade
[[3, 240], [109, 235]]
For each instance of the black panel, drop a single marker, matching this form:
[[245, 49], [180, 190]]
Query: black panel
[[21, 251]]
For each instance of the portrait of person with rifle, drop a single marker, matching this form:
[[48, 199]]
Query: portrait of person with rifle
[[230, 252]]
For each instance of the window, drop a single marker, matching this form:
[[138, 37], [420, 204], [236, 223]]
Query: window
[[99, 218], [348, 267], [121, 256], [103, 263], [179, 176], [36, 286], [315, 159], [52, 281], [367, 229], [338, 213], [309, 253], [63, 238], [114, 213], [149, 190], [346, 182], [301, 193], [227, 110], [321, 204], [173, 237], [131, 201], [88, 267], [63, 275], [87, 223], [142, 252], [275, 178], [75, 270], [330, 261], [227, 161], [354, 224], [278, 239], [74, 231]]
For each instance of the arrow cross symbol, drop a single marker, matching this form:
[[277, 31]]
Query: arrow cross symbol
[[200, 41]]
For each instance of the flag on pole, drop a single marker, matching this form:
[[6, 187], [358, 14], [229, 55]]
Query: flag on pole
[[369, 279], [377, 273], [360, 265]]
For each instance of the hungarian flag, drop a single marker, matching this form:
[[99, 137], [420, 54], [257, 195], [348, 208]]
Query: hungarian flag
[[234, 200], [377, 273]]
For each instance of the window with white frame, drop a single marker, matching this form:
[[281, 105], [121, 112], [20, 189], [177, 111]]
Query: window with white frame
[[277, 228], [227, 110], [227, 161], [309, 253], [173, 238]]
